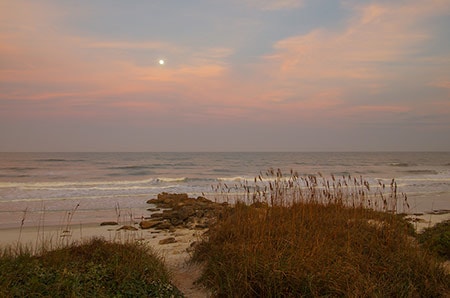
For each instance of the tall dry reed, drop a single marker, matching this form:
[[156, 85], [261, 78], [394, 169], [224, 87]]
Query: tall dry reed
[[291, 236]]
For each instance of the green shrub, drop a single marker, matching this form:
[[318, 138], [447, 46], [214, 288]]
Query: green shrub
[[94, 269], [437, 239]]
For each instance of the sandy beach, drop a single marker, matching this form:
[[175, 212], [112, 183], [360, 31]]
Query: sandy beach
[[427, 220], [33, 236], [36, 236]]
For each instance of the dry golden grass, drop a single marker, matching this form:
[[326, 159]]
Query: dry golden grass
[[293, 236]]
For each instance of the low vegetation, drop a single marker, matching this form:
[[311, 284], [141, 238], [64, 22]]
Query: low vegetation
[[93, 269], [292, 237], [437, 239]]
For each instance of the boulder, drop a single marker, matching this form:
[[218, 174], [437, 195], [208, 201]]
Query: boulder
[[168, 240], [156, 215], [153, 209], [164, 226], [176, 221], [127, 228], [181, 210], [185, 212], [109, 223], [148, 224]]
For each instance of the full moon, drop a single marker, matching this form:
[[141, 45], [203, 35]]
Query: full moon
[[161, 62]]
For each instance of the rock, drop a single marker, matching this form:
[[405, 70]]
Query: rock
[[156, 215], [168, 198], [439, 211], [192, 246], [127, 228], [148, 224], [184, 211], [164, 226], [167, 240], [153, 209], [172, 196], [109, 223], [168, 214], [176, 221]]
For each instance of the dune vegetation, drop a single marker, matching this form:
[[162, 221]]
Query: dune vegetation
[[437, 239], [311, 236], [96, 268]]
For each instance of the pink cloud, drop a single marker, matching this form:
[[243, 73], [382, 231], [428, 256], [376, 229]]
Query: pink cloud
[[377, 34], [317, 71], [183, 73], [52, 65], [381, 108], [441, 83], [335, 70]]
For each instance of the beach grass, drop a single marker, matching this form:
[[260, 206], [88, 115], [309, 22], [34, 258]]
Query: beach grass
[[317, 237], [96, 268]]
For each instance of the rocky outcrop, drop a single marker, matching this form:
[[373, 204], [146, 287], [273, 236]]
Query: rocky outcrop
[[181, 211]]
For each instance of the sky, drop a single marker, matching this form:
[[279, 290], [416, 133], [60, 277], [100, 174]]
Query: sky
[[238, 75]]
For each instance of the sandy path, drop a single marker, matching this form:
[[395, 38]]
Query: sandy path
[[176, 257]]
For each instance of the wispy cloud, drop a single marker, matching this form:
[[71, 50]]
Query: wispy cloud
[[355, 59], [376, 35], [441, 83]]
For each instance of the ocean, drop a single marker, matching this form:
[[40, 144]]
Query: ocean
[[49, 188]]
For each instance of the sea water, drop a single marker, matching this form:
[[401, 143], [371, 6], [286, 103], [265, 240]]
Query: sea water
[[50, 188]]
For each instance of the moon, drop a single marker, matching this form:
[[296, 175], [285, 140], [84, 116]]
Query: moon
[[161, 62]]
